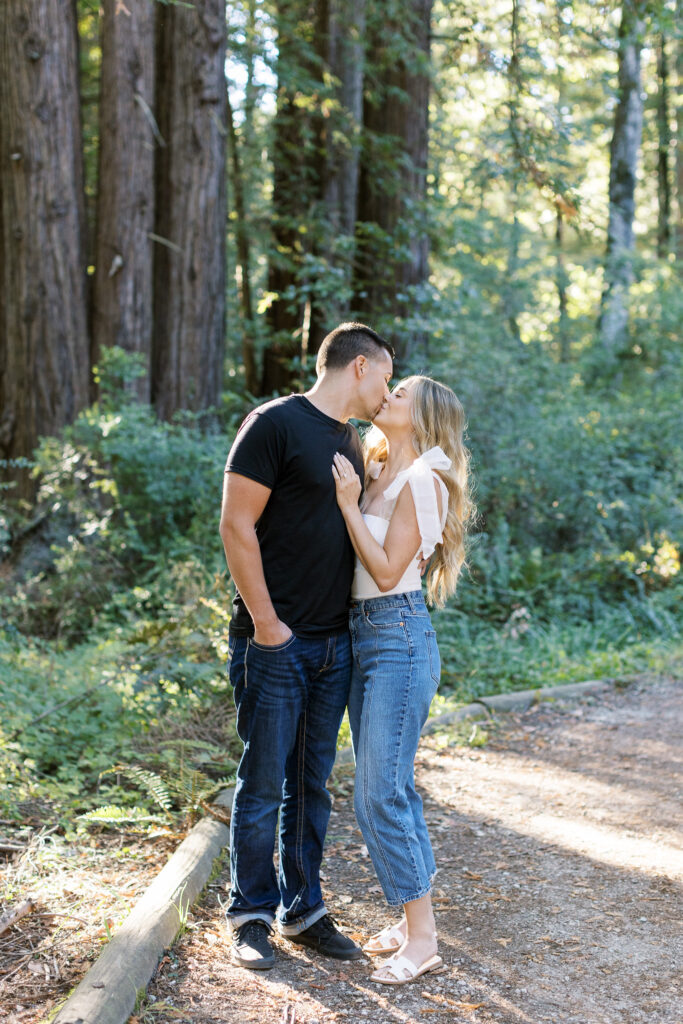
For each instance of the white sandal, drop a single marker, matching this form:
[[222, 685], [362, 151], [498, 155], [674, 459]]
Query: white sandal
[[396, 964], [391, 939]]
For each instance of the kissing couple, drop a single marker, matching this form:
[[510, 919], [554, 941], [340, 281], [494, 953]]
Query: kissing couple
[[325, 538]]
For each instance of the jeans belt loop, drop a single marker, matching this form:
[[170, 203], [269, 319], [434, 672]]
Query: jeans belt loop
[[411, 603]]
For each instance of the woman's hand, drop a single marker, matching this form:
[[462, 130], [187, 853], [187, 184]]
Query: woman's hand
[[346, 481]]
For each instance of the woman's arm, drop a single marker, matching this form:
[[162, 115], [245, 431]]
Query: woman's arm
[[386, 564]]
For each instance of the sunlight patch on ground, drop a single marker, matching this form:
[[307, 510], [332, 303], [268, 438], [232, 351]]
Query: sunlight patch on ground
[[599, 820]]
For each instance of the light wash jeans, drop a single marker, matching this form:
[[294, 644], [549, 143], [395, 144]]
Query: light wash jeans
[[395, 675]]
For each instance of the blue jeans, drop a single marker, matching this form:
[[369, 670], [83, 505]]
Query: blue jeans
[[396, 670], [290, 702]]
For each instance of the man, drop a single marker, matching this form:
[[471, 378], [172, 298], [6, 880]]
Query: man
[[292, 564]]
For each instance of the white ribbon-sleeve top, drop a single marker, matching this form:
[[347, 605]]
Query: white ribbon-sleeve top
[[420, 476]]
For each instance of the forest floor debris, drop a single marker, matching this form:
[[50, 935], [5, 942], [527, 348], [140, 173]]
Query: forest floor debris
[[558, 897]]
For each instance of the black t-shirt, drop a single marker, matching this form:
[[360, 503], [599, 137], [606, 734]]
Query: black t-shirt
[[287, 445]]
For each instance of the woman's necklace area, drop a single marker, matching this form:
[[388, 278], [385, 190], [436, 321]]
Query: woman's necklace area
[[373, 500]]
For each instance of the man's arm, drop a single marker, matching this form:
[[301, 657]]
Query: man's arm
[[243, 502]]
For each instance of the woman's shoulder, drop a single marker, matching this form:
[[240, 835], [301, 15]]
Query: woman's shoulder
[[422, 474]]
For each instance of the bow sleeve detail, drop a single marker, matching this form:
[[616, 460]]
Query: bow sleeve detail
[[421, 478]]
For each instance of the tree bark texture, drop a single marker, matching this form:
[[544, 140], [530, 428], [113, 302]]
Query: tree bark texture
[[624, 149], [123, 296], [394, 162], [44, 348], [189, 264]]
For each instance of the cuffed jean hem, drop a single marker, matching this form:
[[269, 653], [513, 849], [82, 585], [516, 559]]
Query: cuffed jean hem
[[235, 921], [409, 897], [301, 923]]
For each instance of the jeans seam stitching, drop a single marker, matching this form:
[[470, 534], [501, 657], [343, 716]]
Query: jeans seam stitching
[[366, 800], [301, 811]]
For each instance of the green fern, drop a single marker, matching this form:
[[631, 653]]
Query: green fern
[[183, 786], [148, 781], [111, 814]]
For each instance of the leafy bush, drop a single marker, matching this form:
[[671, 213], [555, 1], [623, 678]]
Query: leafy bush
[[124, 501]]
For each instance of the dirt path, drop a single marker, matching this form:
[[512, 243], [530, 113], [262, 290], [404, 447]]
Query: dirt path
[[558, 896]]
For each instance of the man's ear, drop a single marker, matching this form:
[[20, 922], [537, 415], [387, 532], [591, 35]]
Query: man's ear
[[361, 365]]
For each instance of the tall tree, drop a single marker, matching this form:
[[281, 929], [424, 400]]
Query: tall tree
[[44, 348], [315, 155], [624, 150], [663, 145], [189, 265], [342, 140], [510, 296], [679, 135], [393, 253], [561, 276], [122, 296], [296, 180], [243, 246]]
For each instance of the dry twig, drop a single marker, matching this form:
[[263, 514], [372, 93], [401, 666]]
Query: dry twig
[[12, 916]]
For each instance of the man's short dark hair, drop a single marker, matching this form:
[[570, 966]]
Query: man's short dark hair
[[344, 343]]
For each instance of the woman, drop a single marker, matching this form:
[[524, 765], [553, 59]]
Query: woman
[[417, 439]]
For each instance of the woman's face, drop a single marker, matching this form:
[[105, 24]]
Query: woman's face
[[395, 412]]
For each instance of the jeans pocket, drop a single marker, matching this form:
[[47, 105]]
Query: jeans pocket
[[385, 618], [275, 648], [434, 656]]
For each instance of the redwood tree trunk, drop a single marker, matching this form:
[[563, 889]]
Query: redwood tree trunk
[[394, 163], [44, 350], [122, 298], [189, 265], [628, 122]]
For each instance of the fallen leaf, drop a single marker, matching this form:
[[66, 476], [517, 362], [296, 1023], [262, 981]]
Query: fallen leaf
[[470, 1006], [471, 874], [504, 943]]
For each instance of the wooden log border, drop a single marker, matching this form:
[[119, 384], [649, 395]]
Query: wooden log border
[[108, 992]]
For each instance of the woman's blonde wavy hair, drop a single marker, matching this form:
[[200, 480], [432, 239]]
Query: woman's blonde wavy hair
[[438, 418]]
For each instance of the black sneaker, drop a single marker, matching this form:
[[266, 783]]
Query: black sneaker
[[250, 946], [324, 937]]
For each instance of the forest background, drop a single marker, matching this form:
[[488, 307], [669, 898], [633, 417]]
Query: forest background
[[191, 195]]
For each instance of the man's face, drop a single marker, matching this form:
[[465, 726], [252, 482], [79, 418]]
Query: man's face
[[373, 386]]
